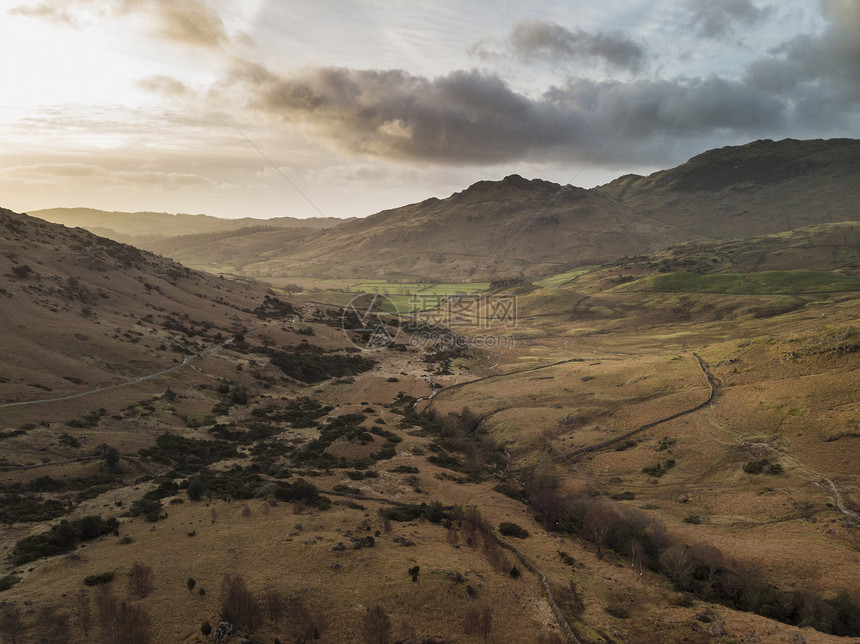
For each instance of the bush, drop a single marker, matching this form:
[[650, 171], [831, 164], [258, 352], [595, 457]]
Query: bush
[[509, 529], [514, 573], [7, 582], [206, 628], [97, 580], [617, 611], [61, 538], [754, 467], [196, 488]]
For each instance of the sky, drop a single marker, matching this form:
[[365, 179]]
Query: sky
[[340, 108]]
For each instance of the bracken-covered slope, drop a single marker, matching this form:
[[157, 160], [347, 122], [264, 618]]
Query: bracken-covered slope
[[80, 311]]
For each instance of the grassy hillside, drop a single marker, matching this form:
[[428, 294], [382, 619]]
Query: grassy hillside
[[771, 282]]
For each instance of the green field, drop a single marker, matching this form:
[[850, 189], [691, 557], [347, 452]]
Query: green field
[[406, 297], [563, 278], [765, 282]]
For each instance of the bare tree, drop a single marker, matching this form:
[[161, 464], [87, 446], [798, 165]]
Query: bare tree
[[377, 626], [677, 564], [301, 626], [386, 522], [238, 604], [597, 522], [638, 556], [707, 562], [132, 625], [121, 623], [478, 621], [452, 536], [11, 624], [83, 611], [53, 626], [274, 603], [140, 580]]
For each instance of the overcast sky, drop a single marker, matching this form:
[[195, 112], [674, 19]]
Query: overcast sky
[[342, 108]]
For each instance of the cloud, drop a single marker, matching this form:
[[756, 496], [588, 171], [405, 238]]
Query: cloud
[[192, 22], [164, 86], [532, 40], [74, 171], [472, 117], [720, 18], [819, 74], [48, 11]]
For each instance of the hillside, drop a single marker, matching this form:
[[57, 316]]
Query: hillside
[[762, 187], [618, 462], [535, 227]]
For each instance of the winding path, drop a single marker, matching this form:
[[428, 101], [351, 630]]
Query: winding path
[[134, 381], [712, 390]]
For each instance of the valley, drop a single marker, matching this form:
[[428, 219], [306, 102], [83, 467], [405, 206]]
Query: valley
[[655, 441]]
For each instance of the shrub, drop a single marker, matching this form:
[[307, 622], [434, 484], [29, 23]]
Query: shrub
[[514, 573], [509, 529], [617, 611], [97, 580], [755, 467], [196, 488], [7, 582], [206, 628], [61, 538]]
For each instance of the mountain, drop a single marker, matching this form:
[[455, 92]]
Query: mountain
[[143, 228], [741, 191], [535, 227]]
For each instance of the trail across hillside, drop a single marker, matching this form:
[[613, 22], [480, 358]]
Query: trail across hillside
[[712, 390], [134, 381]]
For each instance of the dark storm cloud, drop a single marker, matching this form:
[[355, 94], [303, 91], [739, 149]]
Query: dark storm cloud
[[819, 74], [531, 40], [720, 18], [468, 117]]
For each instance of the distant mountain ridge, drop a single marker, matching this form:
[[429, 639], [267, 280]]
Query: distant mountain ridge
[[159, 225], [535, 227]]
